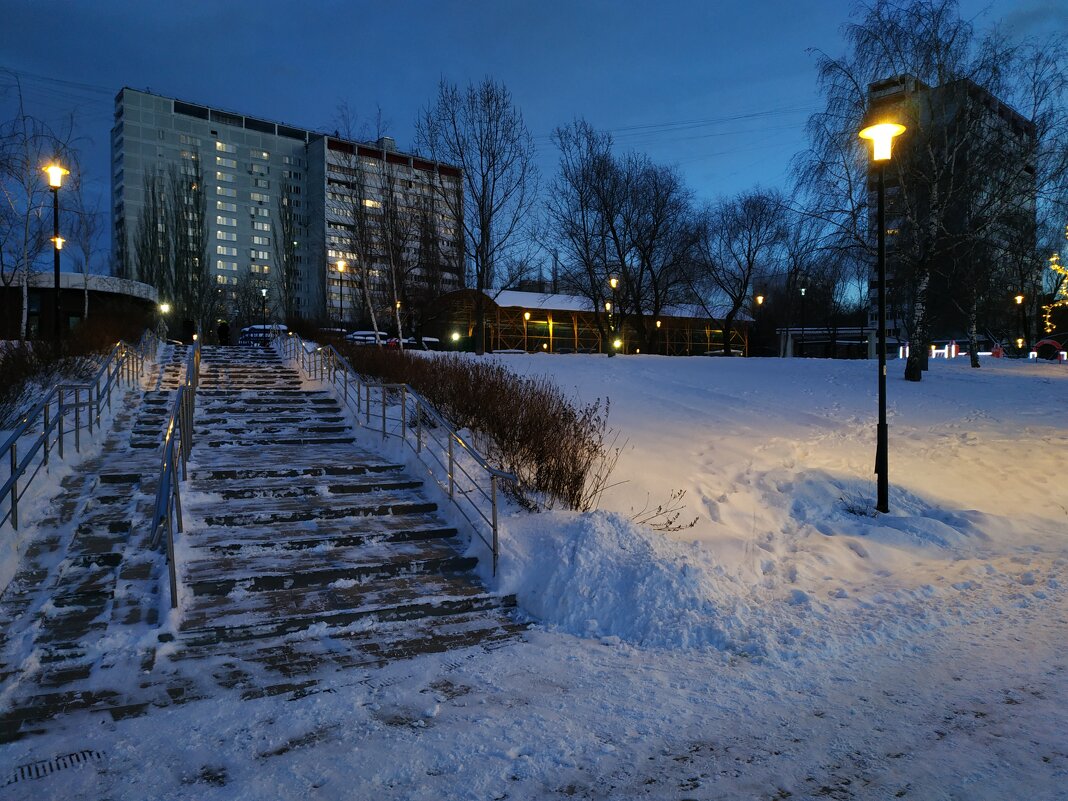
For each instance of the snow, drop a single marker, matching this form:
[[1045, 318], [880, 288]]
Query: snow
[[791, 643]]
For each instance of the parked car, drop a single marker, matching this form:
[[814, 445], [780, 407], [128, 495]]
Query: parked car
[[258, 334]]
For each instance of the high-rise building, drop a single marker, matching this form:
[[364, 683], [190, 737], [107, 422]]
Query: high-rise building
[[259, 177], [960, 194]]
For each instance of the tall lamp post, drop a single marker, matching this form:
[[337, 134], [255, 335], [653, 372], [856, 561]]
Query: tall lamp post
[[341, 265], [759, 302], [882, 137], [263, 294], [1023, 323], [802, 353], [613, 316], [55, 181]]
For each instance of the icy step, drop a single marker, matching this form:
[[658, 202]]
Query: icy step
[[243, 512], [282, 438], [300, 535], [243, 615], [311, 490], [362, 645], [367, 464], [272, 570]]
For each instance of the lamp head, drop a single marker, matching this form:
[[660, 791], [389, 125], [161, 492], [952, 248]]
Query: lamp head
[[455, 336], [58, 242], [608, 305], [1019, 300], [617, 344], [882, 135], [613, 282], [526, 315], [55, 175], [760, 300], [658, 323], [341, 265], [164, 308], [264, 292]]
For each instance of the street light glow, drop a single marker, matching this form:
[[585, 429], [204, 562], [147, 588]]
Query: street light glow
[[55, 175], [455, 336], [618, 343], [882, 135], [1019, 300], [760, 300], [613, 282], [526, 315], [58, 242], [341, 265], [165, 308]]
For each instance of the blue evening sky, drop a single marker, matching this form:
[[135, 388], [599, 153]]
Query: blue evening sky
[[720, 88]]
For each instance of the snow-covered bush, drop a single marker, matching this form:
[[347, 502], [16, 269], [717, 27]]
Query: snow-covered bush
[[525, 425]]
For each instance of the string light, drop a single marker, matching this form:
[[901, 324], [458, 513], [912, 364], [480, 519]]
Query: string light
[[1062, 292]]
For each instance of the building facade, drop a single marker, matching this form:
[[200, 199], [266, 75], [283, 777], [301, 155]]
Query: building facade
[[960, 199], [274, 198]]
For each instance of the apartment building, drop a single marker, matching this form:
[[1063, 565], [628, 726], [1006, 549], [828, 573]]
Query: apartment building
[[254, 170]]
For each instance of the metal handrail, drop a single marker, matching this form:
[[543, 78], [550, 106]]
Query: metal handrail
[[55, 416], [177, 443], [397, 404]]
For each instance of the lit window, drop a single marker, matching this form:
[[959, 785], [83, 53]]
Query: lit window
[[259, 197], [226, 265], [261, 226], [260, 169], [372, 204], [221, 206], [225, 250], [226, 236], [225, 177], [220, 220], [261, 240], [224, 148], [221, 162], [226, 191], [261, 154]]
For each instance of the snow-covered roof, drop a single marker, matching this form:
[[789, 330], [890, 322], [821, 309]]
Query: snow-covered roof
[[512, 298]]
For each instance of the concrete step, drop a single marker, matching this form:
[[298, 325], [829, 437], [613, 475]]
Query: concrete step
[[245, 512], [317, 534]]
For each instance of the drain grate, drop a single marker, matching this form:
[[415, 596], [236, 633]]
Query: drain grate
[[46, 767]]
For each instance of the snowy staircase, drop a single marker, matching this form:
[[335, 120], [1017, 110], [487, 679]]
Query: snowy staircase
[[303, 554], [291, 525]]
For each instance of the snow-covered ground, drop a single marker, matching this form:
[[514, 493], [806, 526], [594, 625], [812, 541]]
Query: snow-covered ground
[[788, 645]]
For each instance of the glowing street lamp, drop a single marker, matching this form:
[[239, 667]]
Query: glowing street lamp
[[55, 174], [341, 265], [613, 319], [882, 136], [263, 293]]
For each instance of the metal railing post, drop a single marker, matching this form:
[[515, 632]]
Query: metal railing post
[[418, 425], [89, 407], [345, 392], [59, 422], [172, 569], [383, 411], [493, 503], [45, 433], [77, 420], [452, 471], [14, 486], [404, 412]]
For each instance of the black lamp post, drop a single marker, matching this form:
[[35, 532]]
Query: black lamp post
[[882, 136], [55, 181], [802, 353], [263, 293], [341, 265], [613, 316]]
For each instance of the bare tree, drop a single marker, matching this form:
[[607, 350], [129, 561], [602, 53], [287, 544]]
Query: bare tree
[[736, 239], [88, 226], [26, 145], [287, 235], [626, 218], [481, 131], [152, 244]]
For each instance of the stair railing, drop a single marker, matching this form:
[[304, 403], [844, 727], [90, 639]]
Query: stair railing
[[67, 410], [177, 443], [397, 410]]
